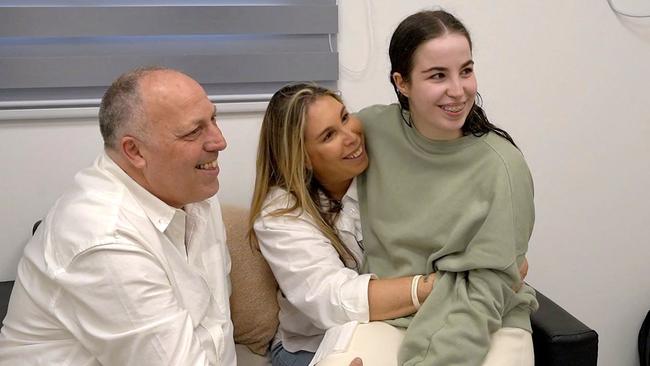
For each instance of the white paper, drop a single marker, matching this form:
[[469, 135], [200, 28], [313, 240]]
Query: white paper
[[336, 340]]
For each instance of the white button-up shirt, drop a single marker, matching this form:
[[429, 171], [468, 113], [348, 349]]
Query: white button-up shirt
[[317, 291], [114, 276]]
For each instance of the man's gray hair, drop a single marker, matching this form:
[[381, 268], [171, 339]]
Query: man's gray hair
[[121, 109]]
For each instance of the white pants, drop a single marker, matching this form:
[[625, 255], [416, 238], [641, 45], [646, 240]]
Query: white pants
[[377, 344]]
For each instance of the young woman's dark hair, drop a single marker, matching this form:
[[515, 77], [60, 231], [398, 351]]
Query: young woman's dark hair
[[418, 29]]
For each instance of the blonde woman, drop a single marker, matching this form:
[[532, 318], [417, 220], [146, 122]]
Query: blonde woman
[[305, 218]]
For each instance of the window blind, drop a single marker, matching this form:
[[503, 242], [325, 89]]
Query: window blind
[[65, 53]]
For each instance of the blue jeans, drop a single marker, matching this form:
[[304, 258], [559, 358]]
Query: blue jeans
[[282, 357]]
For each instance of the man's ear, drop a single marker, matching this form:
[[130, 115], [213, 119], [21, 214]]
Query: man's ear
[[402, 85], [131, 149]]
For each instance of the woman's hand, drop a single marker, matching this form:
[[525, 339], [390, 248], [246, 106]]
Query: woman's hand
[[523, 272], [425, 285]]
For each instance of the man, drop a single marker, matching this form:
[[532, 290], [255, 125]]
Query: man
[[130, 266]]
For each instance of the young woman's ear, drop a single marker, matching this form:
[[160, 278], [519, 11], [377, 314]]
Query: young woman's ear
[[130, 148], [401, 84]]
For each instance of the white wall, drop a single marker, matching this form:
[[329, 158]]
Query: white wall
[[569, 81]]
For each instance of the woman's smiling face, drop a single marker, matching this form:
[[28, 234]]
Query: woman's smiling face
[[441, 87], [334, 142]]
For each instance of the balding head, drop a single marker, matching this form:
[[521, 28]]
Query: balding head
[[121, 111], [160, 127], [163, 90]]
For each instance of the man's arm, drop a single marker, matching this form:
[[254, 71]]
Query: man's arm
[[119, 303]]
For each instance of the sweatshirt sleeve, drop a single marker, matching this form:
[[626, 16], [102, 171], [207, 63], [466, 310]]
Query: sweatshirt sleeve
[[473, 295]]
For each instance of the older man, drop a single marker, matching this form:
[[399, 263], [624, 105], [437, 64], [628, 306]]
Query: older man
[[130, 267]]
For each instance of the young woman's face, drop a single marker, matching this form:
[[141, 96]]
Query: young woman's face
[[442, 86], [335, 143]]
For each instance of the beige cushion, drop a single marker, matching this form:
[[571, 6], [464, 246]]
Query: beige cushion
[[253, 303]]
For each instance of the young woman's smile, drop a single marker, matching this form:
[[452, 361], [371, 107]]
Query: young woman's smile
[[441, 87]]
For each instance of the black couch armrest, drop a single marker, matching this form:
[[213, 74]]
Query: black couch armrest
[[560, 339], [5, 292]]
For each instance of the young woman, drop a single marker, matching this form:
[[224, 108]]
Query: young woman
[[450, 193], [305, 218]]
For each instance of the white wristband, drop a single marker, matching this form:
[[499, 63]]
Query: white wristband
[[414, 291]]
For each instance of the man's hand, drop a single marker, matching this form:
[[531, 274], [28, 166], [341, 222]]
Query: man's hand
[[356, 362]]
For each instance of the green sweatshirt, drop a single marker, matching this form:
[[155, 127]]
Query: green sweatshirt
[[461, 208]]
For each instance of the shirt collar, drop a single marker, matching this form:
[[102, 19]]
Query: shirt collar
[[160, 213], [351, 193]]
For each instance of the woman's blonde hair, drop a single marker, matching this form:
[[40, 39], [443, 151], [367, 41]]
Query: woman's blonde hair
[[282, 162]]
